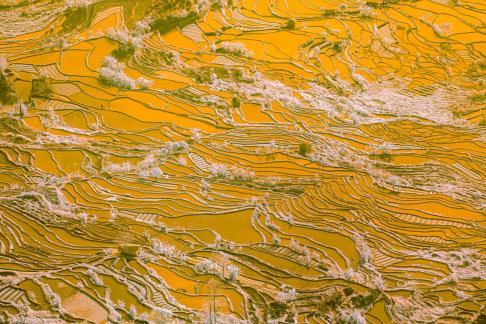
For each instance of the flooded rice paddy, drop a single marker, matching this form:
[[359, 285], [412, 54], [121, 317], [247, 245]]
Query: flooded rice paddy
[[252, 161]]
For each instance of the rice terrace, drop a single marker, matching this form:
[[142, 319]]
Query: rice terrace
[[242, 161]]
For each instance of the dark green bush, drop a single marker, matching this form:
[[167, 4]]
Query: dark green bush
[[337, 46], [235, 102], [41, 88], [348, 291], [7, 92], [330, 302], [290, 24], [165, 24], [277, 309], [305, 148], [122, 52], [361, 301]]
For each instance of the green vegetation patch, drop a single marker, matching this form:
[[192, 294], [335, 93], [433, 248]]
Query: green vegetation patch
[[41, 88], [7, 92], [165, 24], [277, 309], [290, 24], [77, 18], [305, 149], [203, 74]]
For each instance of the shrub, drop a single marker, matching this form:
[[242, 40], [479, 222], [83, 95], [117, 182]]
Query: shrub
[[385, 156], [235, 48], [360, 301], [277, 309], [237, 74], [203, 74], [478, 98], [7, 92], [305, 148], [290, 24], [165, 24], [235, 102], [351, 317], [22, 109], [128, 41], [323, 267], [143, 83], [41, 87], [219, 170], [216, 5], [366, 11], [330, 302], [337, 46], [112, 74], [77, 17], [480, 319], [348, 291], [241, 174], [122, 52]]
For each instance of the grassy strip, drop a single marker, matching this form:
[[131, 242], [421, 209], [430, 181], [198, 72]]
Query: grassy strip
[[166, 24]]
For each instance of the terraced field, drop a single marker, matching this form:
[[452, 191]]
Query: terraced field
[[252, 161]]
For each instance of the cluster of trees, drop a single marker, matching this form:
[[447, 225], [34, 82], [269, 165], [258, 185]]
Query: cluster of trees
[[206, 74], [235, 48], [41, 87], [7, 91], [112, 73]]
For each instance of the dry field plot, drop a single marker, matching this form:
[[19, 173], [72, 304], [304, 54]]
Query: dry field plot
[[250, 161]]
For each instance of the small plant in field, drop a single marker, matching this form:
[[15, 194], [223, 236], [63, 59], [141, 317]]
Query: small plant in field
[[337, 46], [304, 149], [235, 102], [290, 24]]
